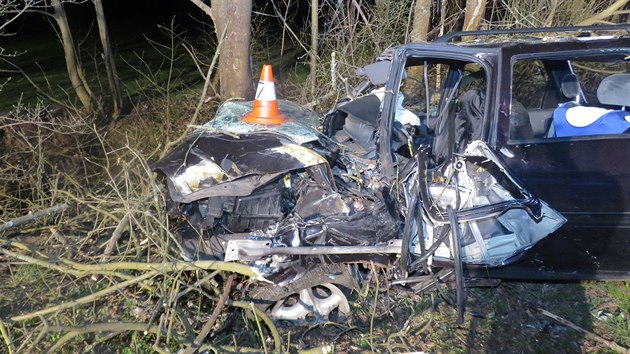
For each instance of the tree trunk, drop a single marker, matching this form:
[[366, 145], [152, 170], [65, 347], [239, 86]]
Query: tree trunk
[[421, 21], [314, 44], [475, 11], [72, 64], [110, 66], [234, 63]]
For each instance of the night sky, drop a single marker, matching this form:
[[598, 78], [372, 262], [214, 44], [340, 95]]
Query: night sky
[[137, 15]]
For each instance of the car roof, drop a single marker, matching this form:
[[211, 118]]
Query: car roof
[[536, 40]]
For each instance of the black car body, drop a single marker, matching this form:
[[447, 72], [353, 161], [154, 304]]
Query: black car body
[[494, 157]]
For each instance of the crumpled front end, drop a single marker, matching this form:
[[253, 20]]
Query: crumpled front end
[[312, 215]]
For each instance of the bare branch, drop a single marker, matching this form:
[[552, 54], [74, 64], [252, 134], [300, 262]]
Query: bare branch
[[32, 217], [612, 345], [205, 330], [600, 17], [205, 8]]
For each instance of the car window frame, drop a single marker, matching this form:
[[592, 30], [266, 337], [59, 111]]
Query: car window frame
[[555, 55], [429, 51]]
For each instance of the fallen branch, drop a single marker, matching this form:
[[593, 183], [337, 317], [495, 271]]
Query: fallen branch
[[205, 330], [107, 327], [39, 262], [111, 243], [121, 327], [85, 299], [32, 217], [610, 344], [53, 266], [165, 267]]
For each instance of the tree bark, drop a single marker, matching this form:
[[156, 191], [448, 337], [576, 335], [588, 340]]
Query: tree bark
[[314, 43], [234, 63], [421, 21], [72, 64], [110, 65], [475, 11]]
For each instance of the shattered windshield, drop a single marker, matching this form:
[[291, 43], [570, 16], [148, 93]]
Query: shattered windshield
[[301, 126]]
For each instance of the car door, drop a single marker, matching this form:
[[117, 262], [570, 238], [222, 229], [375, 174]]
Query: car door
[[586, 178]]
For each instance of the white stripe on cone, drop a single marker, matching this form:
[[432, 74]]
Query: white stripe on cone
[[266, 91]]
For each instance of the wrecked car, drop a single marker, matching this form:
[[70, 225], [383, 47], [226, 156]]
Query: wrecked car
[[490, 154]]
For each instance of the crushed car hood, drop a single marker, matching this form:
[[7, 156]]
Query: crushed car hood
[[210, 165], [229, 157]]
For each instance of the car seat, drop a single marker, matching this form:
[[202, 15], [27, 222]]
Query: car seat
[[571, 120]]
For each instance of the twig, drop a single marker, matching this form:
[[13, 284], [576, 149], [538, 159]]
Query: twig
[[610, 344], [116, 235], [37, 88], [262, 336], [79, 269], [260, 314], [33, 216], [285, 25], [6, 336], [39, 262], [205, 8], [374, 305], [105, 327], [367, 24], [53, 266], [320, 99], [613, 9], [205, 330], [202, 97]]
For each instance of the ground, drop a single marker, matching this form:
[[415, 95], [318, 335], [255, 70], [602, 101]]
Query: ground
[[507, 318]]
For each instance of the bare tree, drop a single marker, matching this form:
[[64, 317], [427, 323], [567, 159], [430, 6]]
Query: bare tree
[[9, 11], [110, 65], [421, 21], [232, 18], [475, 12], [89, 101], [314, 44], [73, 65]]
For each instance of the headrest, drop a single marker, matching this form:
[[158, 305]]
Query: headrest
[[569, 86], [615, 90]]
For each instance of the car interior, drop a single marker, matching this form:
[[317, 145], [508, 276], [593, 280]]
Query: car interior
[[570, 97]]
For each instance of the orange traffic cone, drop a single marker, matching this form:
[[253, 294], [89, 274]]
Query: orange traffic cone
[[265, 109]]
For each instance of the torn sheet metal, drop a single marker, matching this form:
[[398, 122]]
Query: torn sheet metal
[[301, 125], [208, 164], [499, 217]]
